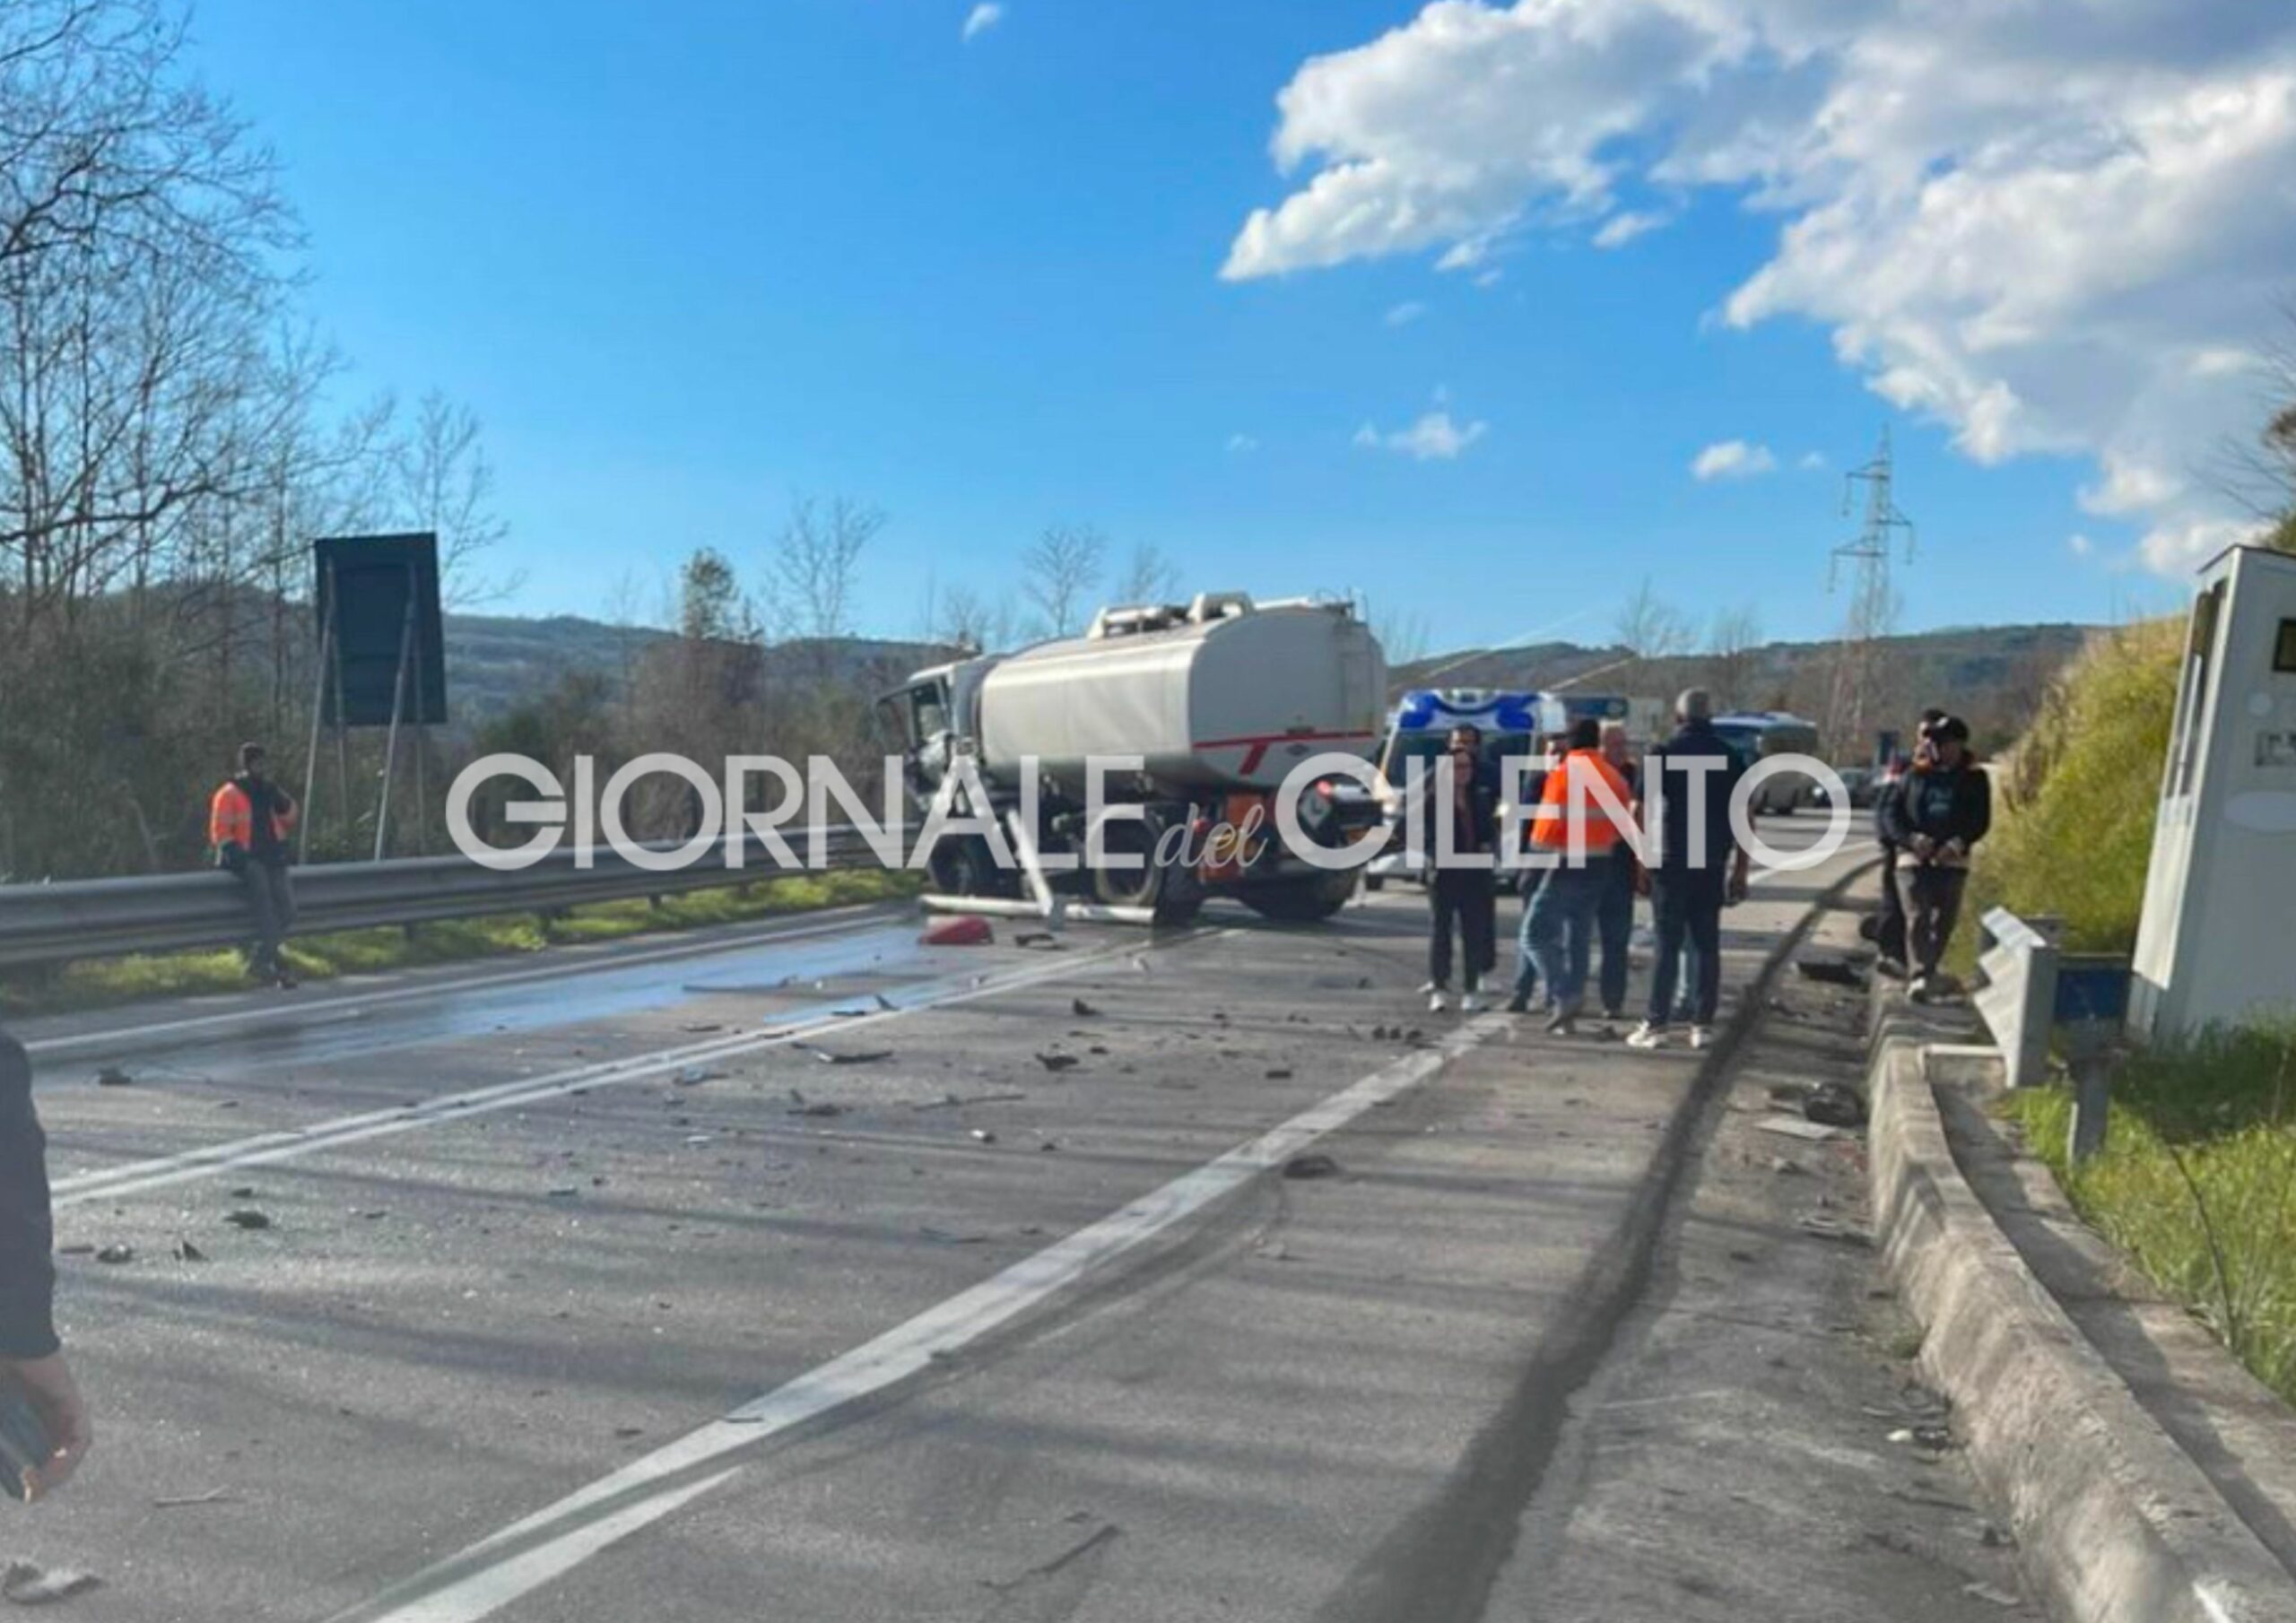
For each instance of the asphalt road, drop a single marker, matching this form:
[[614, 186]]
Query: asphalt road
[[808, 1273]]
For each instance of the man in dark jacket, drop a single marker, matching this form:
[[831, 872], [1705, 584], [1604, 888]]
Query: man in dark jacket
[[1463, 893], [1890, 928], [1698, 869], [1936, 816], [30, 1358]]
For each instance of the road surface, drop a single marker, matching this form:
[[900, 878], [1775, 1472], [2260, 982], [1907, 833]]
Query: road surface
[[805, 1272]]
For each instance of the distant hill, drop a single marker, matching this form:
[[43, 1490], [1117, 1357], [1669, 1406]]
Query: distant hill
[[1993, 675], [495, 662]]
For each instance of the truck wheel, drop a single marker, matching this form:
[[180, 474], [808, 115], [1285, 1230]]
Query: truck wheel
[[1300, 901], [1170, 892], [965, 866]]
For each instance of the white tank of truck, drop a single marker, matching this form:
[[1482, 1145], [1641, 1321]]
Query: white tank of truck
[[1221, 694]]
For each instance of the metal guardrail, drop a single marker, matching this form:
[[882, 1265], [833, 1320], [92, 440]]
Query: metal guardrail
[[2019, 997], [50, 924], [2034, 992]]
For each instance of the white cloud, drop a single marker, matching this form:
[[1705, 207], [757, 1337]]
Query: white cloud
[[1812, 462], [983, 17], [1242, 444], [1434, 437], [1406, 313], [2051, 225], [1490, 278], [1623, 227], [1733, 459], [2080, 546]]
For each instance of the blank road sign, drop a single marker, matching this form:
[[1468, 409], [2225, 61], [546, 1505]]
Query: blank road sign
[[364, 585]]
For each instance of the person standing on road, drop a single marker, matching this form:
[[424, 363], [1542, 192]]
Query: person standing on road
[[1529, 881], [31, 1359], [1889, 932], [1936, 816], [1462, 891], [248, 824], [1614, 913], [1572, 817], [1699, 869]]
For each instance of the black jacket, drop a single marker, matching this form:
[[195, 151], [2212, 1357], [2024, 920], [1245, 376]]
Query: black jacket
[[1482, 810], [1943, 805], [27, 1237]]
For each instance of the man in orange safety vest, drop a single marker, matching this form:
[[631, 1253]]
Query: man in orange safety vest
[[249, 821]]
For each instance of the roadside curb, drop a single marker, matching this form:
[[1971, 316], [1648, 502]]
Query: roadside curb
[[2115, 1523]]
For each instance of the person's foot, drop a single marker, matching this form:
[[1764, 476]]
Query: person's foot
[[1564, 1021], [1646, 1035], [1614, 1015], [1437, 1002], [1701, 1036], [1894, 968], [1520, 1003], [1472, 1003], [284, 978], [1428, 988], [1920, 989]]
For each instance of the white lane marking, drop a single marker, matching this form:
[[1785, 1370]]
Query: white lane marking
[[338, 1009], [263, 1149], [525, 1556]]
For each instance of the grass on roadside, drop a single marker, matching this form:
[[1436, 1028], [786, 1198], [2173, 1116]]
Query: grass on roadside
[[102, 982], [2197, 1183]]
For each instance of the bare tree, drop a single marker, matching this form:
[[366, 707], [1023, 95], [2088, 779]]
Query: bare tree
[[1149, 577], [444, 484], [1732, 647], [1650, 627], [1403, 637], [816, 565], [1059, 572]]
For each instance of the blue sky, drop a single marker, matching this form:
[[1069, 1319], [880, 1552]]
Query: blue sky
[[684, 260]]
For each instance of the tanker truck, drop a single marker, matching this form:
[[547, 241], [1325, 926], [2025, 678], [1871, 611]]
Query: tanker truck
[[1216, 701]]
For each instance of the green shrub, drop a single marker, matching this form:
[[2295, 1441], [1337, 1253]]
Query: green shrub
[[2074, 801], [2197, 1182]]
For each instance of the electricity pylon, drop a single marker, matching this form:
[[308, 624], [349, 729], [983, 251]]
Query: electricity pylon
[[1872, 602]]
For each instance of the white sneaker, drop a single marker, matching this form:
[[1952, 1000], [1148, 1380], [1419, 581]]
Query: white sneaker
[[1701, 1036], [1472, 1003], [1427, 988], [1646, 1035], [1437, 1002]]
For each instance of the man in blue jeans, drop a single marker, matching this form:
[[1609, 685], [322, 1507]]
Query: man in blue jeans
[[1614, 913], [1577, 829], [1698, 869]]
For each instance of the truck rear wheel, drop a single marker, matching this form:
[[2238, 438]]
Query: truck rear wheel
[[1300, 901], [1168, 890]]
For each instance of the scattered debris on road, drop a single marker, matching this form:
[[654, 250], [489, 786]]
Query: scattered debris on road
[[249, 1218], [1834, 1104], [1057, 1062], [965, 930], [1311, 1166], [982, 1135], [1796, 1127], [24, 1583], [115, 1253], [185, 1251], [1830, 971], [112, 1076], [847, 1056], [1081, 1010], [694, 1076], [950, 1101]]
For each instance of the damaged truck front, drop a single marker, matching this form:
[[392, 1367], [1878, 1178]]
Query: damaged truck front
[[1204, 708]]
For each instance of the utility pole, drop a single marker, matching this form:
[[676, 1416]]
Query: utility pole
[[1873, 603]]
